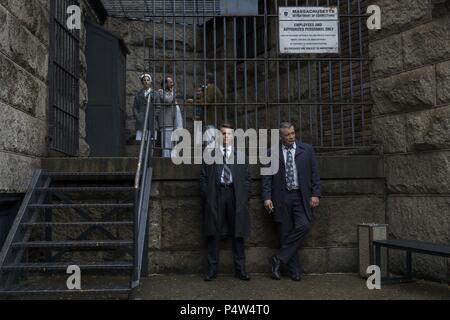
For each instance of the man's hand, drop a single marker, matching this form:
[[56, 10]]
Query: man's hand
[[315, 201], [268, 204]]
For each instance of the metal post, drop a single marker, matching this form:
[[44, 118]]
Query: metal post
[[278, 63], [205, 56], [349, 6], [225, 68], [255, 66], [266, 63], [245, 73], [408, 265], [378, 255], [235, 72], [361, 67]]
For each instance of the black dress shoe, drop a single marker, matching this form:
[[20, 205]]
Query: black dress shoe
[[210, 276], [242, 276], [296, 277], [276, 263]]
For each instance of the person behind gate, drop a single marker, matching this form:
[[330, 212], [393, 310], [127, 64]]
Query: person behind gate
[[169, 115], [291, 194], [225, 189], [140, 104]]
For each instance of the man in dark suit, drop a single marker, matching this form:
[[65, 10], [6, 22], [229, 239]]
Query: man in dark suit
[[225, 189], [291, 194]]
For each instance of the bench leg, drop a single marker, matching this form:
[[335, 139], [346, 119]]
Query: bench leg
[[378, 256], [395, 280], [448, 272], [408, 265]]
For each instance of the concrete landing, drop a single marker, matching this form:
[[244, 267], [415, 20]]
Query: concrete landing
[[261, 287]]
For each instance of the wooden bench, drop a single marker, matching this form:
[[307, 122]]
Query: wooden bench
[[409, 246]]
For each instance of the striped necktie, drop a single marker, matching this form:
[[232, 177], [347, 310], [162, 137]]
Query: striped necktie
[[226, 168]]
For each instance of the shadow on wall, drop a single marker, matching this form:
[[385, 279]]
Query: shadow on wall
[[440, 8], [9, 206]]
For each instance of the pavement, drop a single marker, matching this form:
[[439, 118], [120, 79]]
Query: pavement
[[262, 287]]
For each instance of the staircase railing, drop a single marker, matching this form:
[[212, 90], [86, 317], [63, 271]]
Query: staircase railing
[[143, 184], [17, 234]]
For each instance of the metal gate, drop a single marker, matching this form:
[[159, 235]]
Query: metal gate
[[201, 45], [64, 77]]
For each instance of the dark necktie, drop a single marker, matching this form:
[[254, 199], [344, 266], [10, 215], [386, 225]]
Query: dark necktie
[[226, 168], [290, 177]]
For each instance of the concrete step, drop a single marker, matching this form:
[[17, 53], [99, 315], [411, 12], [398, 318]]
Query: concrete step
[[90, 164]]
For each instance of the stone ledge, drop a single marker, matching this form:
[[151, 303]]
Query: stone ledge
[[331, 167], [162, 190]]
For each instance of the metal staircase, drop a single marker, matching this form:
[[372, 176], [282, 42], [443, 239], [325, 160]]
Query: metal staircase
[[59, 225], [96, 221]]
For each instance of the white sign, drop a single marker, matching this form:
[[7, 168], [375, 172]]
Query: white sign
[[309, 29]]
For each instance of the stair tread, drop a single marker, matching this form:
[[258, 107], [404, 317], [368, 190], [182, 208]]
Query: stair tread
[[81, 205], [124, 289], [75, 174], [69, 224], [83, 243], [64, 265], [92, 189]]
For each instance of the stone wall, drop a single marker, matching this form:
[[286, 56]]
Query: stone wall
[[353, 193], [24, 58], [410, 88], [24, 47]]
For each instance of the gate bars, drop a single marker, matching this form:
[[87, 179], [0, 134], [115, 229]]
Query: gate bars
[[327, 96], [64, 75]]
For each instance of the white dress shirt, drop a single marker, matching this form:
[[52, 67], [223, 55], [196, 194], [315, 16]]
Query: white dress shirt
[[147, 92], [292, 151], [229, 150]]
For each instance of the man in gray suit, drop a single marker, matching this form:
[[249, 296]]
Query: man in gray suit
[[291, 195], [140, 104]]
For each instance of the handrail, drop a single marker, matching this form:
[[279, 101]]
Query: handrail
[[142, 186]]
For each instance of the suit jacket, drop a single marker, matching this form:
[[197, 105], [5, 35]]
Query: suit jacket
[[274, 186], [167, 112], [210, 178], [140, 106]]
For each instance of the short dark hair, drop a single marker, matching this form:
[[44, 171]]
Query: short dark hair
[[225, 126], [164, 81], [286, 125]]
